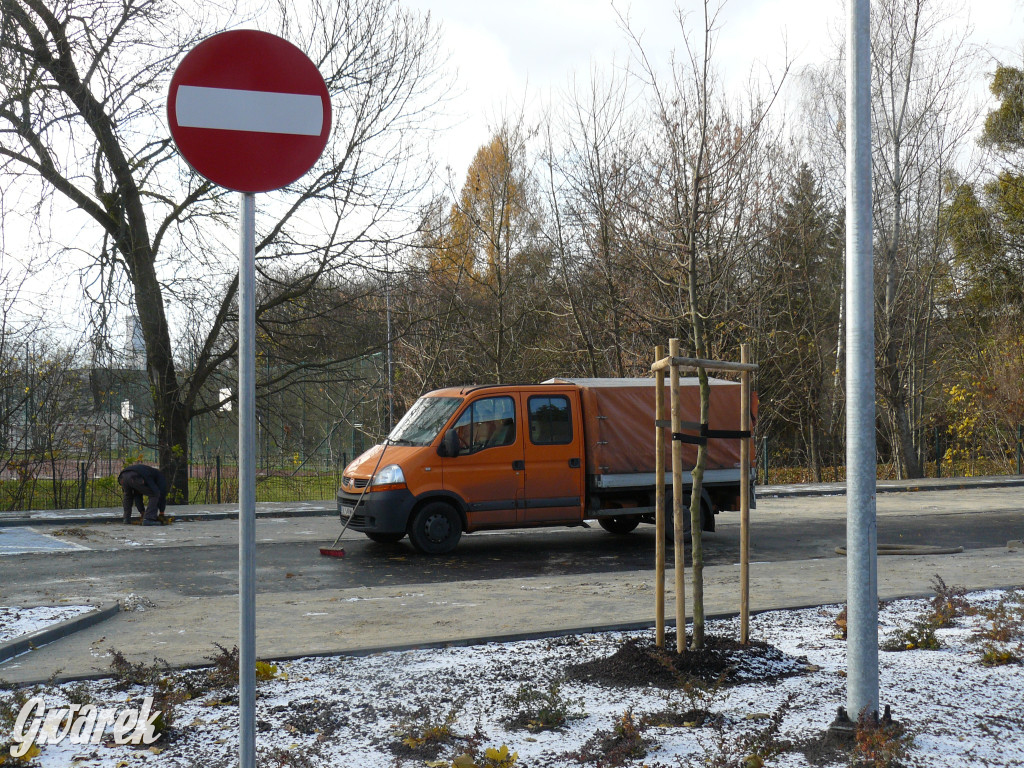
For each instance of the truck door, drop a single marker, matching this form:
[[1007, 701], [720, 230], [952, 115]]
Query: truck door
[[487, 473], [554, 458]]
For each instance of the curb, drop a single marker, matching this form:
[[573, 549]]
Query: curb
[[839, 489], [19, 645], [185, 517], [761, 491], [487, 639]]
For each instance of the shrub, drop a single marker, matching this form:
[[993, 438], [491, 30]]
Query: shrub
[[920, 636], [224, 672], [949, 603], [1005, 622], [127, 673], [544, 710], [624, 742], [426, 732], [880, 743]]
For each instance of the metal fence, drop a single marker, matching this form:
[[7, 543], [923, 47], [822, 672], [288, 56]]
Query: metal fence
[[946, 455], [69, 484]]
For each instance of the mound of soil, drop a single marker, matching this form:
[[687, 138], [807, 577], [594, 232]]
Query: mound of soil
[[639, 662]]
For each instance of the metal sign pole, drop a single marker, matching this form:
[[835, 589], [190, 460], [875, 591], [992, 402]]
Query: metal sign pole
[[745, 498], [659, 501], [861, 524], [247, 483]]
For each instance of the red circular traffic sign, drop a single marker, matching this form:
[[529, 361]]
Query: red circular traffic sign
[[249, 111]]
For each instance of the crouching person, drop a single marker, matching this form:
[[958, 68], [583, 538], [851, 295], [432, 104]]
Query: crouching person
[[140, 480]]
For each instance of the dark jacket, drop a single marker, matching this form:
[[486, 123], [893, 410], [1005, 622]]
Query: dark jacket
[[153, 478]]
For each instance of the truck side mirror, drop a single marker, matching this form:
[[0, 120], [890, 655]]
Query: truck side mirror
[[449, 444]]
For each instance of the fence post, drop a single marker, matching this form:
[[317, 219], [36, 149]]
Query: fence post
[[764, 459], [82, 479], [218, 478], [938, 453], [1020, 447]]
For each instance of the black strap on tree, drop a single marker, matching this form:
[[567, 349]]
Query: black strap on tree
[[727, 434], [705, 433]]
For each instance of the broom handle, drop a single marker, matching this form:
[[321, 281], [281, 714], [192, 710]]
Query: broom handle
[[363, 493]]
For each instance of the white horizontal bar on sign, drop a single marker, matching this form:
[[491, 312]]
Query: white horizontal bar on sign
[[228, 109]]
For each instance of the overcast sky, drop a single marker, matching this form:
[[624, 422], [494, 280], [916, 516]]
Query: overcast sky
[[521, 50]]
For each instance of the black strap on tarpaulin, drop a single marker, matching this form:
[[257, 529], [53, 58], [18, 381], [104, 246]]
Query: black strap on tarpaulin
[[679, 436]]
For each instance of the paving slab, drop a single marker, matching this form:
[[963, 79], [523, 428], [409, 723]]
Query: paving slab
[[21, 541]]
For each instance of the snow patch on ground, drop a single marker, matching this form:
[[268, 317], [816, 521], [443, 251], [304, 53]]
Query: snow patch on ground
[[349, 712], [15, 621]]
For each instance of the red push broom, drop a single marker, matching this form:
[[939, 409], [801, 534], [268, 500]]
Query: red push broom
[[334, 550]]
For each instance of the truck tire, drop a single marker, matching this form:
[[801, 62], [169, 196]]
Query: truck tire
[[670, 528], [435, 529], [706, 516], [386, 538], [619, 525]]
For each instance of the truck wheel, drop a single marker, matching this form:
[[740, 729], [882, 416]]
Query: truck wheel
[[706, 516], [385, 538], [435, 529], [619, 525], [670, 528]]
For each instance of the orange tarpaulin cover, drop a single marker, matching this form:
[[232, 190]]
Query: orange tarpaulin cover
[[618, 423]]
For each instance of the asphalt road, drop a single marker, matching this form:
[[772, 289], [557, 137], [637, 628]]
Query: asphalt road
[[199, 559]]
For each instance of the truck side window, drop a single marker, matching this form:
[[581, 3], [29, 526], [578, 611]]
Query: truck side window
[[487, 423], [550, 420]]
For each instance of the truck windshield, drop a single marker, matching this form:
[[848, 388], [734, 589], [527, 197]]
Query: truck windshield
[[424, 420]]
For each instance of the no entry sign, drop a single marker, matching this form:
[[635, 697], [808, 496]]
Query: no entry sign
[[249, 111]]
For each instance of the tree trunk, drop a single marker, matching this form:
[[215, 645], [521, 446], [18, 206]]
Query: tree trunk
[[696, 536], [172, 437], [169, 411], [908, 452], [812, 446]]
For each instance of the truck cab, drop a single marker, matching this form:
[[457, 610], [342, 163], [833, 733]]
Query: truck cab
[[469, 459]]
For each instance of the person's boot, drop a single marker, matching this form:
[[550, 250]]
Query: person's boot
[[127, 519]]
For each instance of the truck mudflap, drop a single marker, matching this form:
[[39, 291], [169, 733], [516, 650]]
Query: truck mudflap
[[376, 512]]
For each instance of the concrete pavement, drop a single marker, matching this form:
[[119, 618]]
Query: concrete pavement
[[183, 630], [374, 619]]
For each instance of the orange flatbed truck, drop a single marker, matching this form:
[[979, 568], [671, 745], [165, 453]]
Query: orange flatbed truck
[[559, 453]]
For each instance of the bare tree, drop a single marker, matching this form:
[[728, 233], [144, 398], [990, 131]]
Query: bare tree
[[592, 177], [702, 188], [919, 65], [82, 86]]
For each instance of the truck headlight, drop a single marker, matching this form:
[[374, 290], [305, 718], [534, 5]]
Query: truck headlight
[[390, 478]]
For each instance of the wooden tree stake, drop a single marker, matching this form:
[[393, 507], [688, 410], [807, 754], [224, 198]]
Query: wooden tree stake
[[677, 503]]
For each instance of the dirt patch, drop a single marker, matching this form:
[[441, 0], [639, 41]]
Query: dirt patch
[[691, 718], [639, 662], [314, 717], [820, 750]]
